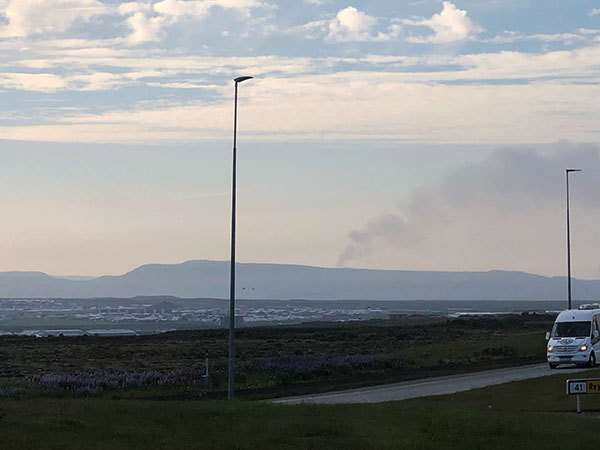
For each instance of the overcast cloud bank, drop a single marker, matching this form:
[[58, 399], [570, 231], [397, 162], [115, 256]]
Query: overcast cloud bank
[[160, 71]]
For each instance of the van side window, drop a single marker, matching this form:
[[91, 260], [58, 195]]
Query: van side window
[[597, 322]]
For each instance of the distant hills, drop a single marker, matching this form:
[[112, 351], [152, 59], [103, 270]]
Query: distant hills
[[210, 279]]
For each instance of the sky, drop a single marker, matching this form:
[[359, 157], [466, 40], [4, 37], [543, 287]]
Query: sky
[[419, 135]]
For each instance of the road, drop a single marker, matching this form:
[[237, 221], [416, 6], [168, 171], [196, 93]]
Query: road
[[429, 386]]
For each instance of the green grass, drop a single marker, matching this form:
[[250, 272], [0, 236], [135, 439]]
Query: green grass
[[533, 414], [413, 350]]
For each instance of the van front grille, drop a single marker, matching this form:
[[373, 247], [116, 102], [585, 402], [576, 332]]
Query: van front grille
[[565, 348]]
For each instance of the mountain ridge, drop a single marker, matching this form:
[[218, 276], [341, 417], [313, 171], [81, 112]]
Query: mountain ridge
[[206, 278]]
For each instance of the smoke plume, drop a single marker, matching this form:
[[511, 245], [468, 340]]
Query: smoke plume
[[506, 212]]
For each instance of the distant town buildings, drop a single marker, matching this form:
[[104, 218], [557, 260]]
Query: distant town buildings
[[104, 317], [122, 317]]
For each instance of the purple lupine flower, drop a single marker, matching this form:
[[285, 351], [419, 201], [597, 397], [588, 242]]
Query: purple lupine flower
[[311, 363], [97, 381]]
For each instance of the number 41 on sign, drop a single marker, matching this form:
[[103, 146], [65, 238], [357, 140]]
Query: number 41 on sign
[[576, 387]]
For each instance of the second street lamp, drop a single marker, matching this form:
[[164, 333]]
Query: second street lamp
[[568, 171], [231, 377]]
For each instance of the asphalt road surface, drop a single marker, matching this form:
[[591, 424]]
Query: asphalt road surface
[[429, 386]]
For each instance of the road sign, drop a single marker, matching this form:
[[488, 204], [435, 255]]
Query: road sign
[[582, 387]]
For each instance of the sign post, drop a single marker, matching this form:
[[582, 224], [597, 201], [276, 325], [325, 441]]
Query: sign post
[[581, 387]]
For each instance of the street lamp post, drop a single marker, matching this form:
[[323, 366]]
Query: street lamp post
[[568, 171], [231, 378]]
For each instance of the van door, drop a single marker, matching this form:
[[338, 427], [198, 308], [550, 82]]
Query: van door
[[596, 334]]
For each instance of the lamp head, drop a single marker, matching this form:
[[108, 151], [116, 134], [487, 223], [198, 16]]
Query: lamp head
[[240, 79], [573, 170]]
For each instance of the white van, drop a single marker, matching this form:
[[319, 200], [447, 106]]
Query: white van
[[575, 338]]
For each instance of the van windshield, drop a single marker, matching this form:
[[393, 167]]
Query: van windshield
[[571, 329]]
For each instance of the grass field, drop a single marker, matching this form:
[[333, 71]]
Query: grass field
[[140, 392], [533, 414], [271, 361]]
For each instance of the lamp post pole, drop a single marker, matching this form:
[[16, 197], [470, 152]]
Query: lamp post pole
[[231, 377], [568, 171]]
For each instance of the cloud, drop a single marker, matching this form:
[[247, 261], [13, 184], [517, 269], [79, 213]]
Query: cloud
[[581, 35], [348, 25], [145, 29], [40, 82], [300, 106], [201, 8], [48, 82], [497, 98], [506, 212], [149, 21], [594, 12], [134, 7], [451, 25], [29, 17]]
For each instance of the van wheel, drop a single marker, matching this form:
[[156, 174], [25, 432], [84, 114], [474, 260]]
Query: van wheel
[[552, 365], [592, 361]]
